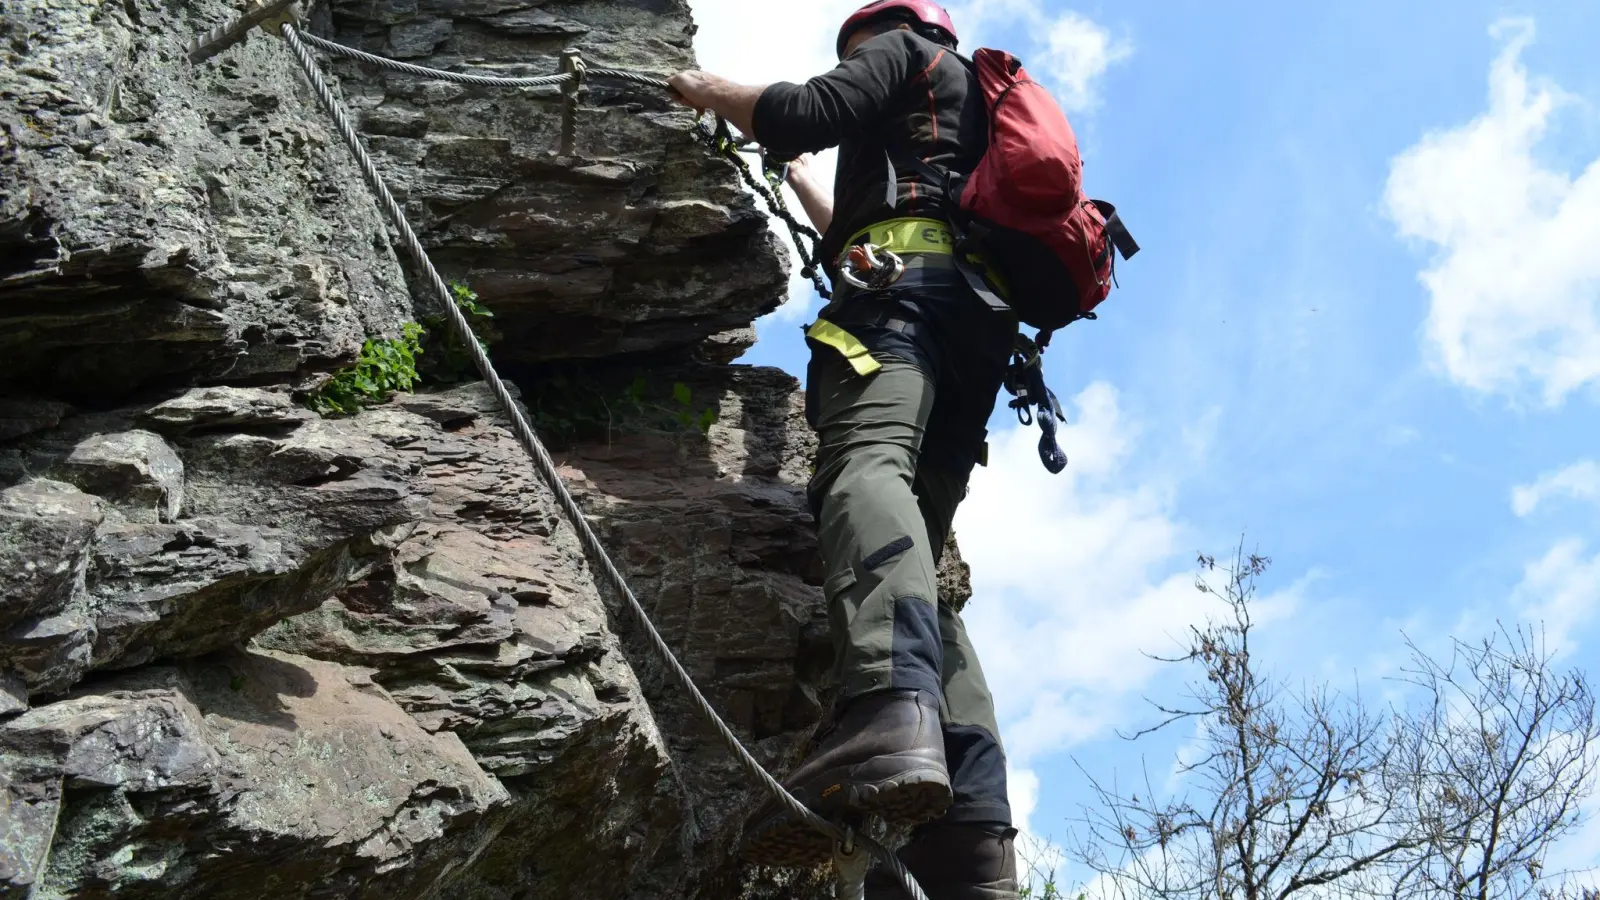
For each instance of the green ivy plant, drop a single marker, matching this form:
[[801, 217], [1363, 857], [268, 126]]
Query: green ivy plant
[[568, 409], [684, 412], [452, 360], [385, 365], [564, 409]]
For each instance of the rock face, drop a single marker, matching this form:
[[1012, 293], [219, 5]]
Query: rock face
[[407, 682], [630, 239], [246, 651], [162, 223]]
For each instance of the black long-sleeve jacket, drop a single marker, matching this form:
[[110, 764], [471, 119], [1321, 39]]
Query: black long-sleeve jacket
[[898, 92]]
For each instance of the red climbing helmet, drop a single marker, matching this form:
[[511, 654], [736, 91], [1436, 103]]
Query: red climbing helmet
[[925, 11]]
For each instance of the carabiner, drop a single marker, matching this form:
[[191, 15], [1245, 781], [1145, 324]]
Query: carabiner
[[881, 271]]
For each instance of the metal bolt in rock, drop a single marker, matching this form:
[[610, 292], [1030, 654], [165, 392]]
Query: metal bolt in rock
[[571, 64], [852, 856], [268, 13]]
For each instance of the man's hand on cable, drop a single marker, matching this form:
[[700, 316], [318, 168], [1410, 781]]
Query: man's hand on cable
[[701, 91]]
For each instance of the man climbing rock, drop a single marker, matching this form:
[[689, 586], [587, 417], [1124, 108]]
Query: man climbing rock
[[901, 382]]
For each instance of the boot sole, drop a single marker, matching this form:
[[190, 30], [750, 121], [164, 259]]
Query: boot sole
[[908, 799]]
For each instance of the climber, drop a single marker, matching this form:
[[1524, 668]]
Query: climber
[[902, 378]]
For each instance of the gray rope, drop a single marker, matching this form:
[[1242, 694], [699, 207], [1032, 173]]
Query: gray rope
[[635, 77], [426, 72], [547, 467], [385, 62]]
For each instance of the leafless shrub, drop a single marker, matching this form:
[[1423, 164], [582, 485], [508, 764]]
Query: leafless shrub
[[1313, 792]]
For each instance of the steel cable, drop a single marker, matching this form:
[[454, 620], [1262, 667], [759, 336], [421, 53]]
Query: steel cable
[[426, 72]]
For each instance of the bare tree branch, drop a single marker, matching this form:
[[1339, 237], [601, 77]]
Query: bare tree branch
[[1460, 794]]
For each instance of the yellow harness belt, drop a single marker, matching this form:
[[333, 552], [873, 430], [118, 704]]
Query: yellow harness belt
[[921, 236], [901, 236]]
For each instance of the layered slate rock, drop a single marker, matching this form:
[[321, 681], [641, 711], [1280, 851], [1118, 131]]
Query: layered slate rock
[[246, 651], [162, 222], [47, 529], [399, 589], [244, 776], [271, 522], [208, 216], [630, 240]]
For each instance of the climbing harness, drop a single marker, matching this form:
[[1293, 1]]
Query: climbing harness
[[875, 254], [872, 262], [849, 842]]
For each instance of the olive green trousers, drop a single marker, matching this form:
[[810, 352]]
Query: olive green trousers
[[884, 513]]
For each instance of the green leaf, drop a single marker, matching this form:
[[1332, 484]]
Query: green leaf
[[385, 365], [680, 393]]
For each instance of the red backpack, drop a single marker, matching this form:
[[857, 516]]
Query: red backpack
[[1023, 207]]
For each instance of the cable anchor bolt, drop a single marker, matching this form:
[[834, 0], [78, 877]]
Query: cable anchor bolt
[[571, 64], [224, 37]]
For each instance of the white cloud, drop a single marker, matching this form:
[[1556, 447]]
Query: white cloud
[[1401, 435], [1022, 785], [1075, 577], [1581, 481], [1080, 52], [1066, 49], [1560, 591], [724, 45], [1515, 287], [1579, 852], [734, 38]]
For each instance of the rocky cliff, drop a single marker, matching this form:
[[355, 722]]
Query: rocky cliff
[[248, 651]]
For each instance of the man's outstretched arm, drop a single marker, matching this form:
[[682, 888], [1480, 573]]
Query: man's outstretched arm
[[851, 99], [703, 91], [813, 199]]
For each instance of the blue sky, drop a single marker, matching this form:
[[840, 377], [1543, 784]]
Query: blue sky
[[1364, 331]]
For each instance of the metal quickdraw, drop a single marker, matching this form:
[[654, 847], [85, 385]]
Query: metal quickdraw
[[775, 170], [1025, 382]]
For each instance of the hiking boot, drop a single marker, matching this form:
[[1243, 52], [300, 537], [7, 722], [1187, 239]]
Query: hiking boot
[[953, 862], [884, 756]]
